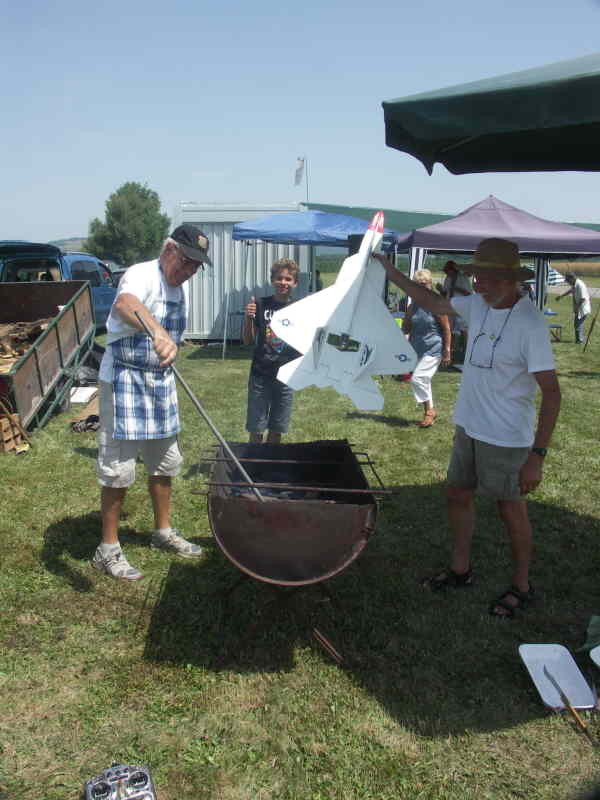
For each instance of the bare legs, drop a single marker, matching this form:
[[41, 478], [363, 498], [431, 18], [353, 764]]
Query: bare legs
[[159, 487], [461, 516], [111, 502], [513, 513]]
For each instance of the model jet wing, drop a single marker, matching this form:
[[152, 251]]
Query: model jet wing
[[346, 334]]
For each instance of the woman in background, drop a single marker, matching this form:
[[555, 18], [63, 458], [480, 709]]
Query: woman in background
[[431, 337]]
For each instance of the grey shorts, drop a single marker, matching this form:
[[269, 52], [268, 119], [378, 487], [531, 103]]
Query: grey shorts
[[269, 404], [487, 468], [116, 457]]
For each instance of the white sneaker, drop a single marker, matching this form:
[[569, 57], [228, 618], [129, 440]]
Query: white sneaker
[[175, 543], [116, 565]]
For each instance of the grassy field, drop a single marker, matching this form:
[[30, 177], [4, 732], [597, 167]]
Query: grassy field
[[583, 269], [431, 701]]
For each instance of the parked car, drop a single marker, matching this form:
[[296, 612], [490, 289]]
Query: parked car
[[85, 267], [29, 261], [116, 272]]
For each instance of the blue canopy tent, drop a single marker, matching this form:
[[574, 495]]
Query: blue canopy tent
[[306, 227]]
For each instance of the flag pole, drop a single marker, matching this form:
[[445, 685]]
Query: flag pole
[[306, 168]]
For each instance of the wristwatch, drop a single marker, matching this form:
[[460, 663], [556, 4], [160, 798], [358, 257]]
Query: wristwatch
[[540, 451]]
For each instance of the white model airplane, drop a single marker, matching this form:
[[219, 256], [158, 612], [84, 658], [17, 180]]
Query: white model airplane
[[345, 332]]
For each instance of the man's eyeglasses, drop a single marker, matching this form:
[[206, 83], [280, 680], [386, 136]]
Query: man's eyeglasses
[[189, 263], [485, 344], [482, 351]]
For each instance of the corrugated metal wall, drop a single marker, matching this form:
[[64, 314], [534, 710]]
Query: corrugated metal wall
[[239, 269]]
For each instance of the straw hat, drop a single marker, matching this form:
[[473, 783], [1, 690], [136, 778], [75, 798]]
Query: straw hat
[[497, 258]]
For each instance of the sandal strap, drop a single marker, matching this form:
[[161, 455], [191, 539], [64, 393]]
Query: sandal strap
[[448, 578], [502, 603], [523, 597], [523, 600]]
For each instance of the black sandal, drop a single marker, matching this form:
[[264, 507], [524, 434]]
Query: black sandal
[[448, 579], [524, 599]]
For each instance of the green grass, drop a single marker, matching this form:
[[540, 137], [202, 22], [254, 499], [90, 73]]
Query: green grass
[[432, 700]]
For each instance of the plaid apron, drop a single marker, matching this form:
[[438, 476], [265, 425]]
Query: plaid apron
[[145, 395]]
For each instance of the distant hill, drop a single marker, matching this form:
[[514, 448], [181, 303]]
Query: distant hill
[[76, 243]]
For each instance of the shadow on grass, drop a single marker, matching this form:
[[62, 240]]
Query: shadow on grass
[[574, 373], [437, 662], [394, 422], [77, 538], [88, 452]]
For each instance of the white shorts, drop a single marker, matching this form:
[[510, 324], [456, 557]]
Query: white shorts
[[421, 378], [116, 457]]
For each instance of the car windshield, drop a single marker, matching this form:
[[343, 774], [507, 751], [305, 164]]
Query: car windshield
[[31, 269]]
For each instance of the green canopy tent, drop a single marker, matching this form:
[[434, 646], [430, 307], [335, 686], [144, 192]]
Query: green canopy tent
[[541, 119]]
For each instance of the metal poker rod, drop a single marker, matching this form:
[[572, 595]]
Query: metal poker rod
[[207, 419]]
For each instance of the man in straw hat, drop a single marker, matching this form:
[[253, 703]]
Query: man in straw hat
[[498, 449]]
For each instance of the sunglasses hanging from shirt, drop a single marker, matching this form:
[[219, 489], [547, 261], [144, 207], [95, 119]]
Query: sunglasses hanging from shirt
[[484, 344]]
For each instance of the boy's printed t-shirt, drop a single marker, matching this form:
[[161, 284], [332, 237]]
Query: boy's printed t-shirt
[[270, 352]]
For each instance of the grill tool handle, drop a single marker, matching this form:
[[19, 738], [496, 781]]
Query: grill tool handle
[[208, 420]]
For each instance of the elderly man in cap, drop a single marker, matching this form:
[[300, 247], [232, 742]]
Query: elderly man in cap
[[138, 397], [498, 449]]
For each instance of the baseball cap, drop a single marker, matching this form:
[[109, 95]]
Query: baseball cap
[[193, 242]]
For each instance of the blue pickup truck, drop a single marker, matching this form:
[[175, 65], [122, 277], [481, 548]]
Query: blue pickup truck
[[29, 261]]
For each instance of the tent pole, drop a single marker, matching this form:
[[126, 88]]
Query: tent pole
[[226, 327], [541, 278]]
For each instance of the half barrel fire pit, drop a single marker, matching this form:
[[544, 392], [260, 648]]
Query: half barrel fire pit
[[317, 516]]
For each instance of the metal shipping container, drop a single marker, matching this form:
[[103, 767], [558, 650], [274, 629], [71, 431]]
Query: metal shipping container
[[240, 269]]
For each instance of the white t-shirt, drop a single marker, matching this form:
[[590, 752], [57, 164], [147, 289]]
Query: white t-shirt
[[580, 292], [497, 404], [146, 282], [462, 282]]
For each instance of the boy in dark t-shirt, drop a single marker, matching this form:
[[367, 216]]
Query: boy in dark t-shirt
[[269, 400]]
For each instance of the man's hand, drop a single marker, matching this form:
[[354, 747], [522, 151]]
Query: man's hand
[[530, 475], [251, 308], [165, 347]]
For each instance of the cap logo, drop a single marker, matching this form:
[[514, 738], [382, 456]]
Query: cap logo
[[203, 242]]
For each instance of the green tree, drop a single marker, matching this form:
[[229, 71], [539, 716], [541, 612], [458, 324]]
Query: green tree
[[134, 227]]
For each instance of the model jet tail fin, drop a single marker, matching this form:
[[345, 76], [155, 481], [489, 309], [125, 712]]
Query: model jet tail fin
[[365, 395]]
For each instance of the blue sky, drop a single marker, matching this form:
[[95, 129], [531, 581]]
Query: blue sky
[[213, 102]]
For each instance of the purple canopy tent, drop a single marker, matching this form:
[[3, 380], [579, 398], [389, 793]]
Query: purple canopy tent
[[534, 236]]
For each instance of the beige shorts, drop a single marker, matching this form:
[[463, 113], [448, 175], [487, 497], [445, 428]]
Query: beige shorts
[[116, 457], [487, 468]]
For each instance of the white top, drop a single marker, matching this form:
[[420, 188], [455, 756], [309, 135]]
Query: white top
[[462, 282], [580, 292], [497, 404], [146, 282]]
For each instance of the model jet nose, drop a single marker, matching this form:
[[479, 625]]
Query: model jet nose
[[377, 222]]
